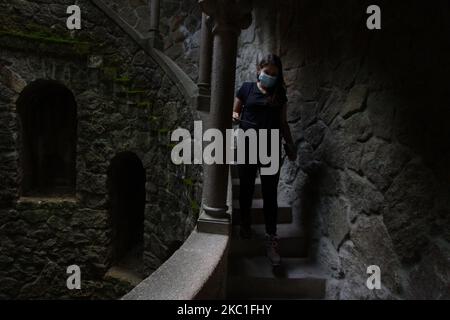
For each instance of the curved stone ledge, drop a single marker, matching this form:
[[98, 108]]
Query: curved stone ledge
[[195, 271], [185, 84], [181, 79]]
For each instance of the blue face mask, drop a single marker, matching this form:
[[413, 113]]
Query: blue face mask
[[266, 80]]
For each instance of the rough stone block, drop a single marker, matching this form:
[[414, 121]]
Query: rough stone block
[[356, 100]]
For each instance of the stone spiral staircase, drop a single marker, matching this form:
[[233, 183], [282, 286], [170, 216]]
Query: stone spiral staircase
[[250, 274]]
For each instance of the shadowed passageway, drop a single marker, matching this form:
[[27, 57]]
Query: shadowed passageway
[[126, 185]]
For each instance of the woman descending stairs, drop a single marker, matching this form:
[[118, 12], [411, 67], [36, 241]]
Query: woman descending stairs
[[250, 272]]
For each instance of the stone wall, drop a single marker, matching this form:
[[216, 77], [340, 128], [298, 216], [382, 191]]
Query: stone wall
[[125, 102], [260, 38], [180, 24], [368, 112]]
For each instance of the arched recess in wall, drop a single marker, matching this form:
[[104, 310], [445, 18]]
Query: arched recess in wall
[[126, 188], [48, 117]]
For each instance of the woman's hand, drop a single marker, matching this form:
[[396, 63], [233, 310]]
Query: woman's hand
[[237, 108]]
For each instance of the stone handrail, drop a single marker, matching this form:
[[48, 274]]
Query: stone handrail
[[197, 270], [184, 83]]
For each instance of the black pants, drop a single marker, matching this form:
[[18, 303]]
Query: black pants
[[269, 186]]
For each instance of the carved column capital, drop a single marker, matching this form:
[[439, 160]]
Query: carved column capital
[[228, 15]]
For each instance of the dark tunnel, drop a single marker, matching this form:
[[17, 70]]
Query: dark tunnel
[[126, 187]]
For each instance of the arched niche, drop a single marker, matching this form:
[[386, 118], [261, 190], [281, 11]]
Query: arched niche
[[48, 117]]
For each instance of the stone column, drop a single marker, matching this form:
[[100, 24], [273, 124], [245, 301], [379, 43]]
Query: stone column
[[155, 36], [205, 62], [229, 18]]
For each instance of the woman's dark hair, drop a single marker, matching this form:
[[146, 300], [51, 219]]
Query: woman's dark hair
[[279, 90]]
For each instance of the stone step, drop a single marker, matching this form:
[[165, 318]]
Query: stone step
[[257, 194], [284, 212], [292, 242], [255, 278]]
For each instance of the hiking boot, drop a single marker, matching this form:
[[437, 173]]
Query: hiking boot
[[245, 232], [272, 250]]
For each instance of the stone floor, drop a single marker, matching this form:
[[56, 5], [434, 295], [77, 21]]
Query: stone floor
[[129, 268]]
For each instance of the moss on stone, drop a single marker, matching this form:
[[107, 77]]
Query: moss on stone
[[163, 130], [123, 80], [80, 47], [194, 205], [110, 72], [45, 35], [188, 181], [144, 104], [132, 92], [171, 145]]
